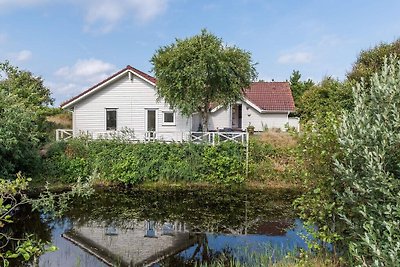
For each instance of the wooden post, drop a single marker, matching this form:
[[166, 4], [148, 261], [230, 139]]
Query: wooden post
[[247, 154]]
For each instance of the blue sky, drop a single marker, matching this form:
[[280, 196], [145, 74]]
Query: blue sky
[[73, 44]]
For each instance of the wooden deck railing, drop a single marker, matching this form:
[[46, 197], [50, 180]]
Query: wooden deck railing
[[64, 134], [212, 138]]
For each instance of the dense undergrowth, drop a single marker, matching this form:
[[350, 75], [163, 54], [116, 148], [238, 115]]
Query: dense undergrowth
[[134, 163], [272, 158]]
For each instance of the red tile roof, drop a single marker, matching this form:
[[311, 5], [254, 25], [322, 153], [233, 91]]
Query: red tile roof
[[138, 72], [271, 96]]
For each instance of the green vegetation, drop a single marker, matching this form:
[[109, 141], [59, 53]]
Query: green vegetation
[[273, 158], [328, 96], [299, 87], [15, 246], [353, 190], [370, 61], [120, 162], [22, 107], [200, 71], [271, 257], [346, 158], [23, 130]]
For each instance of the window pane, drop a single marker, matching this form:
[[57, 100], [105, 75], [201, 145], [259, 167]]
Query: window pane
[[111, 119], [169, 117]]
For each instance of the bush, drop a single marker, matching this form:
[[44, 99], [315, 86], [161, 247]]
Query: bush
[[353, 199], [367, 187], [146, 162]]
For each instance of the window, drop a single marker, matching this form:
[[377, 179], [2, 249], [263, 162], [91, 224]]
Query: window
[[169, 118], [111, 119]]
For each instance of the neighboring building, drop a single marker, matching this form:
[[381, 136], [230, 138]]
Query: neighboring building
[[128, 100], [266, 105]]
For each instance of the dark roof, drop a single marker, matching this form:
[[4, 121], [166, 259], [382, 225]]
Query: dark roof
[[138, 72], [270, 96]]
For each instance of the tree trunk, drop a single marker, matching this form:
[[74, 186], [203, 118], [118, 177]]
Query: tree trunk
[[204, 121], [204, 118]]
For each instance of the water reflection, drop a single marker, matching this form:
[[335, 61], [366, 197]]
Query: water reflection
[[171, 228]]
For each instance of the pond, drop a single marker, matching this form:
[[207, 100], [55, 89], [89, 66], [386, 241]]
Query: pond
[[174, 227]]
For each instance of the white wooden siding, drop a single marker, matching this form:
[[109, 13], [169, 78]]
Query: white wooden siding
[[222, 118], [131, 98], [262, 121]]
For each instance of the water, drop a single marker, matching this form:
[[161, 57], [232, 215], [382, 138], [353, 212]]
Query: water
[[174, 227]]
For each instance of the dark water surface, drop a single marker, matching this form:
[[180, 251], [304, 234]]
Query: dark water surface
[[174, 227]]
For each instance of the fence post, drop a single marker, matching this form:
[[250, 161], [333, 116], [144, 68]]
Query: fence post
[[247, 154]]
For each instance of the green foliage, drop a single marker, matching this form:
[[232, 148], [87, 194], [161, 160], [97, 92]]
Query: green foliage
[[23, 84], [318, 149], [367, 186], [18, 137], [299, 87], [225, 163], [196, 72], [12, 197], [272, 157], [23, 100], [352, 199], [328, 96], [145, 162], [371, 61]]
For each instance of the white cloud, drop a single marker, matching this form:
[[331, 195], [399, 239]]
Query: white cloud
[[87, 70], [104, 15], [74, 79], [23, 55], [295, 58]]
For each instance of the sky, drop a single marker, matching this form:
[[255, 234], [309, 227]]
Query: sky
[[74, 44]]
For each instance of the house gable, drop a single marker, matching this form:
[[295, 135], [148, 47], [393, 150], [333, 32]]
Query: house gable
[[130, 71]]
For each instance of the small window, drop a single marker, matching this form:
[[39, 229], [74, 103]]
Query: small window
[[169, 118], [111, 119]]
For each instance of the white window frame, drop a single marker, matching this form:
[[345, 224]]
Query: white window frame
[[116, 118], [173, 123]]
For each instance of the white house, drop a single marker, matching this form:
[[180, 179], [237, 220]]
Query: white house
[[128, 100]]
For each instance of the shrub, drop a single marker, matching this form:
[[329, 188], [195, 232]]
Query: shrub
[[367, 186], [136, 163]]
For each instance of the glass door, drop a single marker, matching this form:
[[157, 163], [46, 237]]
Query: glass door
[[151, 123]]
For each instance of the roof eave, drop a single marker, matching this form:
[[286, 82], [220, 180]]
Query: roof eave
[[276, 111]]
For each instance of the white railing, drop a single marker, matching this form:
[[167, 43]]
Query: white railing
[[218, 137], [64, 134], [212, 138]]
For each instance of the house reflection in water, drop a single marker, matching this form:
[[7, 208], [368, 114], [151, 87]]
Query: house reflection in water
[[139, 244]]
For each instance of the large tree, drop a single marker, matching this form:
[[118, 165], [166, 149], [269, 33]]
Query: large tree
[[200, 71], [330, 95], [371, 61], [299, 87], [23, 110]]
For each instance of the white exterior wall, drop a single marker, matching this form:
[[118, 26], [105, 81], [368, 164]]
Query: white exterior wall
[[131, 98], [222, 118], [262, 121]]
